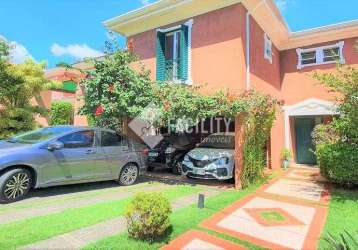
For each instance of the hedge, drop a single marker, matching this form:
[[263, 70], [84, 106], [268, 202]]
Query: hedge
[[61, 113], [339, 162]]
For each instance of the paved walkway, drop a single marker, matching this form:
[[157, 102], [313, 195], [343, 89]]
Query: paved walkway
[[82, 237], [287, 213]]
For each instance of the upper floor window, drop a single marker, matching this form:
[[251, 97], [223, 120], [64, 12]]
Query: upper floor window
[[320, 55], [173, 53], [267, 48]]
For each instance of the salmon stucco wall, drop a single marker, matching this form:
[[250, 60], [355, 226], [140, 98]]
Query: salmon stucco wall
[[218, 49], [298, 85]]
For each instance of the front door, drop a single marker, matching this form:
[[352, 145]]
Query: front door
[[304, 145]]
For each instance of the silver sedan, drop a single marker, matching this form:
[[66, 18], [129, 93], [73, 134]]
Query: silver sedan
[[63, 155]]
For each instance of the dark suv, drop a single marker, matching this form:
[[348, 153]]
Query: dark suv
[[169, 153]]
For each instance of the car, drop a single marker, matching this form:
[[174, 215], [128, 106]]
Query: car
[[169, 153], [62, 155], [213, 158]]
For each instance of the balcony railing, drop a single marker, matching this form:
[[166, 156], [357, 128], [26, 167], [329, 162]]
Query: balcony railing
[[172, 68]]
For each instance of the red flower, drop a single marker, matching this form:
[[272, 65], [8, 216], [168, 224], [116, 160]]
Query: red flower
[[111, 88], [99, 111]]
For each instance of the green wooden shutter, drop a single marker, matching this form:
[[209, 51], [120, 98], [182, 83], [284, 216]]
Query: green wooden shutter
[[160, 56], [184, 53]]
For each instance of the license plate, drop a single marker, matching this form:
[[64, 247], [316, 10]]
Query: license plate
[[153, 154], [199, 171]]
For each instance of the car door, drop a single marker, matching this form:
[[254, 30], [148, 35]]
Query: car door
[[78, 157], [117, 150]]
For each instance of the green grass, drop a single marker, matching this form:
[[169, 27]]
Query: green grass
[[74, 197], [28, 231], [342, 214], [182, 220], [272, 216]]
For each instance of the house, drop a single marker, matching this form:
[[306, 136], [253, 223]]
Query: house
[[239, 45], [70, 92]]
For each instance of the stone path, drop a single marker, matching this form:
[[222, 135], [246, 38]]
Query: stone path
[[287, 213], [82, 237], [22, 214]]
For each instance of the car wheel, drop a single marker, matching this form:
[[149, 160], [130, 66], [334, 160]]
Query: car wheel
[[14, 185], [129, 175], [176, 169]]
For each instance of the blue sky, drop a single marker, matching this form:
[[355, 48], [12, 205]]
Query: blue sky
[[67, 30]]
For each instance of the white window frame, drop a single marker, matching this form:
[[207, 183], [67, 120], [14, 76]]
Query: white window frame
[[320, 55], [267, 47]]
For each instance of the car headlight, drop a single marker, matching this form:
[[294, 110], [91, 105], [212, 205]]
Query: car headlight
[[186, 158], [222, 161], [170, 150]]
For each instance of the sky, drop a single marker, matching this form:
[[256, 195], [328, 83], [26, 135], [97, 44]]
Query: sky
[[69, 30]]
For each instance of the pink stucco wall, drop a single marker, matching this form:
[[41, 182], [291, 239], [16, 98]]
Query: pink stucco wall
[[219, 62]]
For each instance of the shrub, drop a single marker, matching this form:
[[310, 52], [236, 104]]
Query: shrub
[[61, 113], [339, 162], [344, 241], [15, 120], [148, 216], [286, 154]]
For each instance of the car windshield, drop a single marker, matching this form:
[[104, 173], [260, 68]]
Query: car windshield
[[39, 135], [218, 141]]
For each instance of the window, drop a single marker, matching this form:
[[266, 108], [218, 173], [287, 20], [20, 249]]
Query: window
[[82, 139], [321, 55], [267, 48], [173, 53]]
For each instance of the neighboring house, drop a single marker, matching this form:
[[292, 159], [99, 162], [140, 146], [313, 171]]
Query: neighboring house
[[70, 92], [239, 45]]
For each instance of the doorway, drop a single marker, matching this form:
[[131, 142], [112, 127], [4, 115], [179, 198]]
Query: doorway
[[304, 145]]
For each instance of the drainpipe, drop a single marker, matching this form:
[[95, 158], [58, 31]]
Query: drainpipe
[[248, 40]]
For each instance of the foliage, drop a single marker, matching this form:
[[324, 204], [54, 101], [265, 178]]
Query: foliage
[[148, 216], [19, 83], [286, 154], [337, 142], [345, 84], [339, 162], [345, 241], [61, 113], [261, 112], [118, 89], [15, 120], [324, 133]]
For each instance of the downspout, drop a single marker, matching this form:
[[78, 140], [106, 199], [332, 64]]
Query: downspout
[[248, 83], [248, 40]]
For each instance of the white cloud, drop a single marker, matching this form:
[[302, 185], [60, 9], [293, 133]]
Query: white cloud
[[18, 52], [78, 51], [145, 2]]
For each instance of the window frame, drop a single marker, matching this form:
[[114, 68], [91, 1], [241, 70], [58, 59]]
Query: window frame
[[124, 142], [176, 55], [319, 52], [94, 142], [178, 28], [267, 47]]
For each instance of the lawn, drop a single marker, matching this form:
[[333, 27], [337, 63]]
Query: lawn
[[182, 220], [342, 214], [39, 228]]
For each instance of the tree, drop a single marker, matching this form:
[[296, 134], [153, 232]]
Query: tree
[[114, 91], [19, 83]]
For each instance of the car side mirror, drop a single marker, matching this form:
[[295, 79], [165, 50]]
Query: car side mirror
[[57, 145]]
